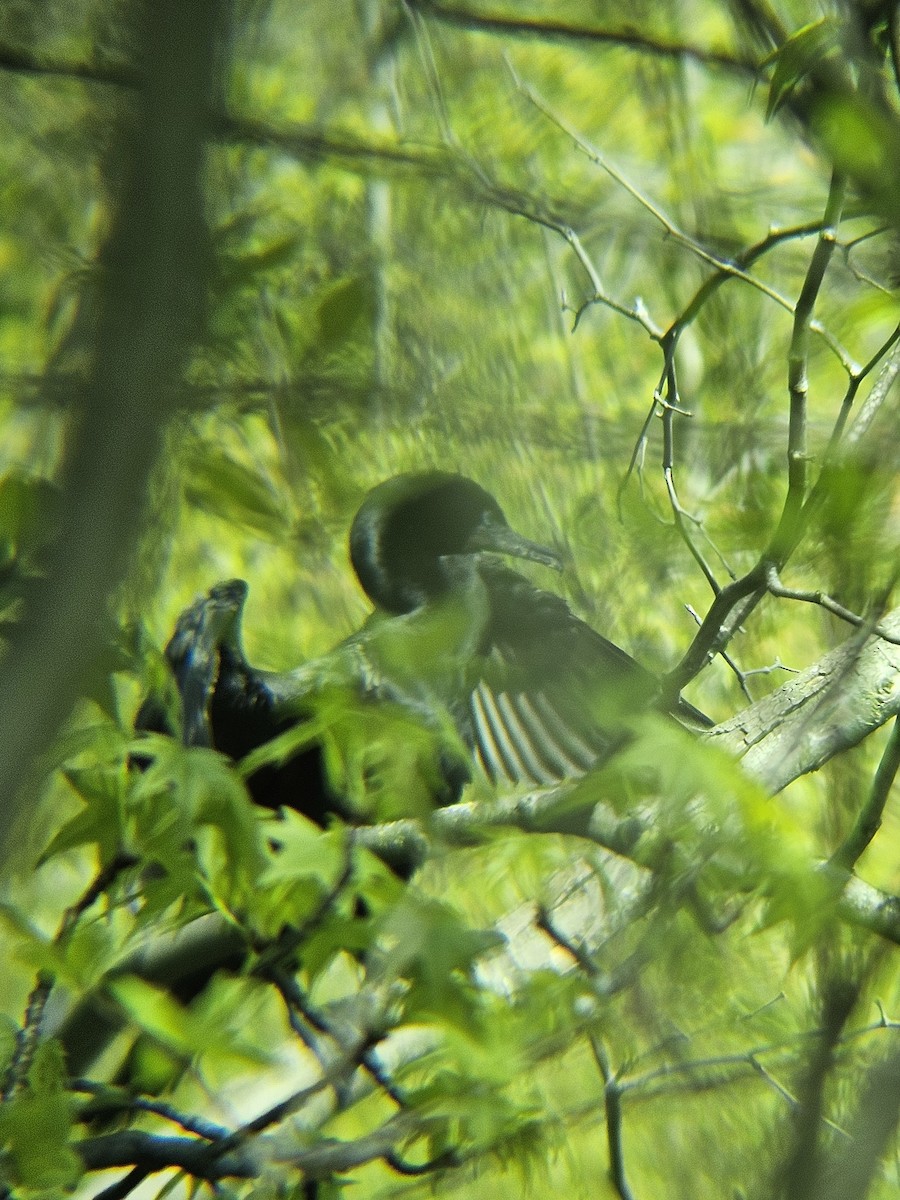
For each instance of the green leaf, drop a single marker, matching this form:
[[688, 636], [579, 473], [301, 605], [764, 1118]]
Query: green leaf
[[27, 507], [35, 1126], [88, 952], [431, 946], [244, 269], [93, 740], [303, 865], [186, 1031], [303, 851], [154, 1011], [863, 142], [380, 758], [100, 822], [183, 794], [234, 491], [31, 945], [803, 51], [342, 307]]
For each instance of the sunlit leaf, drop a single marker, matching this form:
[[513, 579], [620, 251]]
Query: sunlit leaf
[[184, 1031]]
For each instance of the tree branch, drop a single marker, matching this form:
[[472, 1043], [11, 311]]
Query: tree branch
[[152, 1152], [868, 821], [561, 31], [819, 712]]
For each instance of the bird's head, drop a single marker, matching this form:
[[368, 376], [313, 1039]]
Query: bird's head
[[410, 526]]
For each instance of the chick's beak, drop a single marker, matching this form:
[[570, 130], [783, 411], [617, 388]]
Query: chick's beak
[[223, 612], [500, 538]]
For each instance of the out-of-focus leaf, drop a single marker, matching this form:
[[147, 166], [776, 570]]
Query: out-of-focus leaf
[[434, 948], [243, 270], [89, 951], [303, 851], [180, 794], [219, 484], [100, 822], [27, 509], [35, 1126], [320, 457], [303, 865], [863, 142], [460, 1107], [186, 1031], [93, 739], [379, 758], [341, 309], [797, 57], [78, 961], [154, 1011]]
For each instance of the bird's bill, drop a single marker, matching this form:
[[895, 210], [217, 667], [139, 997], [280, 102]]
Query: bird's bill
[[223, 609], [500, 538]]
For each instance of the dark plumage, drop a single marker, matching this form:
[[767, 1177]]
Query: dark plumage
[[473, 661], [462, 662]]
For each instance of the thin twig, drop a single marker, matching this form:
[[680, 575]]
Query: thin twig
[[121, 1100], [868, 821], [579, 955], [612, 1098], [740, 675], [787, 1046], [28, 1036], [668, 463], [777, 588], [674, 231], [562, 31], [798, 382], [123, 1187], [358, 1053]]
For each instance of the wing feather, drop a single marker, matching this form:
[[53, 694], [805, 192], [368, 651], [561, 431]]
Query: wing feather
[[554, 697]]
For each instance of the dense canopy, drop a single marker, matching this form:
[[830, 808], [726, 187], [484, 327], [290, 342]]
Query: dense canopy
[[636, 275]]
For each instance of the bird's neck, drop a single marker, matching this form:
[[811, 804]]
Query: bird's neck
[[431, 648]]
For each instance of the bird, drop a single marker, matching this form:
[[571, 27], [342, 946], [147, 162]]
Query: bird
[[464, 666]]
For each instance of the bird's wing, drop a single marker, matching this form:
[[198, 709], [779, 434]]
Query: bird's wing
[[554, 697]]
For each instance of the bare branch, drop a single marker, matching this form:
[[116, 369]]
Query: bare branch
[[798, 383], [612, 1099], [670, 407], [119, 1099], [868, 820], [561, 31], [154, 1153], [725, 267], [777, 588], [819, 712]]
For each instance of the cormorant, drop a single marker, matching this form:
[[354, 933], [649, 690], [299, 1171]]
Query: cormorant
[[463, 664], [462, 660]]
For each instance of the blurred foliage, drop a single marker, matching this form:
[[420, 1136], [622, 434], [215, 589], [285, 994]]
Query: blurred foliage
[[394, 289]]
